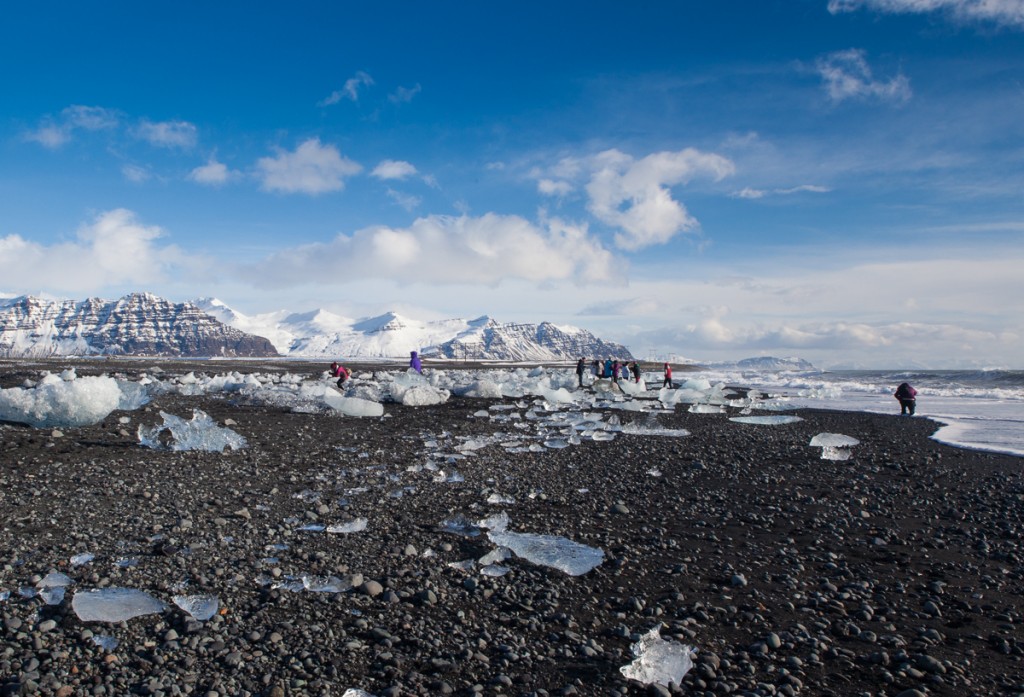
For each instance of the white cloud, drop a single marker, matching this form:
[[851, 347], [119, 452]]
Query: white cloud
[[406, 201], [634, 196], [446, 250], [55, 133], [135, 173], [350, 90], [846, 75], [393, 169], [213, 173], [312, 169], [114, 249], [167, 134], [403, 95], [552, 187], [1006, 13]]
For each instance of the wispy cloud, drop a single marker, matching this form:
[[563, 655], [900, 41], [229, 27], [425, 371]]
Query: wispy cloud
[[311, 169], [446, 250], [403, 95], [847, 75], [53, 133], [554, 187], [393, 169], [350, 90], [750, 193], [1004, 13], [135, 173], [115, 248], [406, 201], [167, 134]]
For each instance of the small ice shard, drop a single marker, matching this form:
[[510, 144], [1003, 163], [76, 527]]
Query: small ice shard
[[313, 527], [127, 562], [55, 579], [355, 692], [200, 433], [83, 558], [464, 565], [107, 643], [459, 525], [557, 552], [707, 409], [834, 446], [53, 596], [114, 604], [199, 607], [497, 522], [4, 595], [357, 525], [325, 584], [776, 420], [353, 406], [658, 661], [494, 570], [654, 472], [556, 443], [495, 555], [499, 500]]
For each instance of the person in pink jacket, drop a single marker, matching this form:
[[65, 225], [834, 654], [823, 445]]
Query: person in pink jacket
[[907, 396]]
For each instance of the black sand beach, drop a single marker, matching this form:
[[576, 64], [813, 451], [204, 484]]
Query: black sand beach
[[898, 572]]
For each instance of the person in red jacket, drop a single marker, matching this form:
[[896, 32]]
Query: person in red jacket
[[668, 376], [908, 398], [340, 372]]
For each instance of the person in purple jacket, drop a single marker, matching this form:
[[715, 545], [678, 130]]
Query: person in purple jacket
[[415, 363], [908, 398]]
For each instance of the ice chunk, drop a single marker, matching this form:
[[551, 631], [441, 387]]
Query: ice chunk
[[499, 500], [707, 409], [56, 402], [658, 661], [494, 570], [495, 555], [83, 558], [497, 522], [356, 692], [559, 396], [107, 643], [114, 604], [325, 584], [54, 579], [199, 607], [834, 446], [200, 433], [766, 420], [52, 596], [460, 525], [424, 395], [357, 525], [353, 406], [557, 552]]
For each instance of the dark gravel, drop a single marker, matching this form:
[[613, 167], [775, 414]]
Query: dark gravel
[[898, 572]]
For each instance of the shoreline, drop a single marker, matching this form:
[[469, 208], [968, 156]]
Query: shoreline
[[899, 569]]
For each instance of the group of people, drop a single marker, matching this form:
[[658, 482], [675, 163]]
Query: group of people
[[342, 373], [615, 370]]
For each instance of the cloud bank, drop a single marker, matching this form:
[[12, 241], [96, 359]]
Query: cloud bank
[[846, 75], [313, 168], [1005, 13]]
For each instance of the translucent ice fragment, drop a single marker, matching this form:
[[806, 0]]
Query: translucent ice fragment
[[83, 558], [355, 692], [834, 446], [199, 607], [52, 596], [706, 409], [658, 661], [200, 433], [55, 579], [325, 584], [559, 553], [114, 604], [313, 527], [556, 443], [767, 420], [59, 402], [494, 570], [357, 525], [107, 643], [460, 525], [464, 565], [498, 499], [497, 522], [495, 555], [4, 595], [353, 406], [424, 395]]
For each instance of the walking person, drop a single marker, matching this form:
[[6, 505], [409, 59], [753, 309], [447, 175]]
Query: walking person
[[907, 397], [581, 367], [668, 376], [636, 371]]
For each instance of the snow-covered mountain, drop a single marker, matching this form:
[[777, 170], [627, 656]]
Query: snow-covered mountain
[[137, 324], [325, 335], [771, 364]]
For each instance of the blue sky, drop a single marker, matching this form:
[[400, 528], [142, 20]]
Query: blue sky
[[841, 180]]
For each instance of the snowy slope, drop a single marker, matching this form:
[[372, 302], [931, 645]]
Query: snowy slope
[[321, 334]]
